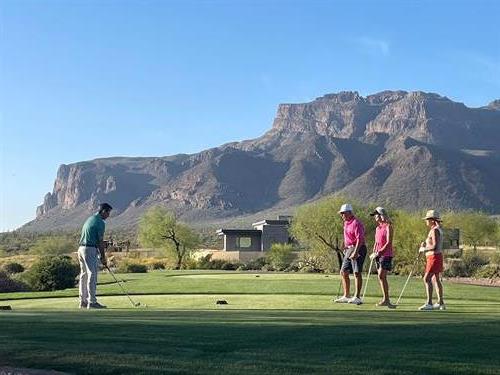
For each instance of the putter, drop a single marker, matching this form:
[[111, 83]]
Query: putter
[[408, 279], [135, 304], [367, 278]]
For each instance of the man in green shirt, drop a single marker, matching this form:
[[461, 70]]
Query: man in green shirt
[[90, 250]]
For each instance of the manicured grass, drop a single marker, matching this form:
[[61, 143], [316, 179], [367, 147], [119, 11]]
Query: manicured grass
[[273, 324]]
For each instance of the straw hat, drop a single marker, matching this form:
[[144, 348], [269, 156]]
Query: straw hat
[[433, 214]]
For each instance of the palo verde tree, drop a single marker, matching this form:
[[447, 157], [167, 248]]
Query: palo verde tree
[[319, 226], [476, 228], [160, 228]]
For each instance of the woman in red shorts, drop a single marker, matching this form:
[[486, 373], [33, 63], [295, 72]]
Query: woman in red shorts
[[432, 248]]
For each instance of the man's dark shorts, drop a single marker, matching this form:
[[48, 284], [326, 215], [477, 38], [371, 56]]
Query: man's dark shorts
[[384, 262], [354, 265]]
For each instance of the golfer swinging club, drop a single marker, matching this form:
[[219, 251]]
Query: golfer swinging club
[[354, 254], [92, 246]]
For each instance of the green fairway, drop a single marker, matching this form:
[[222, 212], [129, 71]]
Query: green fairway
[[273, 324]]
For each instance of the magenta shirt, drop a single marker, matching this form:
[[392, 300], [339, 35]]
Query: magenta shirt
[[381, 239], [353, 230]]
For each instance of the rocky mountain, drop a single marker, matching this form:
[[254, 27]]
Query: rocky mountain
[[407, 149]]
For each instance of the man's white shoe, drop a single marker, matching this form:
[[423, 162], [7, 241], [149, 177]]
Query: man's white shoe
[[355, 301], [342, 299], [426, 307], [439, 306]]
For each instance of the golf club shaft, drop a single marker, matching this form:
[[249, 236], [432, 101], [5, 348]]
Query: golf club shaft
[[122, 288], [408, 279], [367, 278], [338, 290]]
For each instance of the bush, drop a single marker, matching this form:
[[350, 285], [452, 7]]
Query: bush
[[7, 284], [206, 263], [157, 266], [254, 264], [466, 266], [128, 267], [310, 261], [52, 273], [54, 245], [13, 267], [280, 256], [488, 271], [495, 258]]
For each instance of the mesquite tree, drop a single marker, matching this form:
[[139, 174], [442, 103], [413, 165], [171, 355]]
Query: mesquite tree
[[160, 228]]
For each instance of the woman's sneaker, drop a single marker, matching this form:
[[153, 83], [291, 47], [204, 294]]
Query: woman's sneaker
[[342, 299], [426, 307], [385, 304], [439, 306], [355, 301]]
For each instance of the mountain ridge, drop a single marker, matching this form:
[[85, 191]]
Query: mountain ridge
[[385, 147]]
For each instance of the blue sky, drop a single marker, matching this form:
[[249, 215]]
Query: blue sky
[[87, 79]]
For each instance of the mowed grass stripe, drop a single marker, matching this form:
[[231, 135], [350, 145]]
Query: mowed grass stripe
[[252, 341]]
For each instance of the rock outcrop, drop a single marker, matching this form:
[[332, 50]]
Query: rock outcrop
[[409, 149]]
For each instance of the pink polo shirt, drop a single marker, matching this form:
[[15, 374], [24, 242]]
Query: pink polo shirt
[[381, 239], [353, 230]]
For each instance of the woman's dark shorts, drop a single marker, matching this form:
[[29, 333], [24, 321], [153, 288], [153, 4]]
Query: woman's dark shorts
[[384, 262], [356, 265]]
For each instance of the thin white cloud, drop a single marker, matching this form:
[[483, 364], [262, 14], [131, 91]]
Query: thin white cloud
[[372, 45], [489, 67]]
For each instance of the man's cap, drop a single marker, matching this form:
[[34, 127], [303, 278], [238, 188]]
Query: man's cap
[[345, 208], [379, 211], [105, 207], [433, 214]]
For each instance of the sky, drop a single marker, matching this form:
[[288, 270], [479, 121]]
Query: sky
[[81, 80]]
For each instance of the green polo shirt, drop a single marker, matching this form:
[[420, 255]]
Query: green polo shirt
[[92, 231]]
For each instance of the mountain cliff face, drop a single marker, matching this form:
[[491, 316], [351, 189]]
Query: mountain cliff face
[[413, 150]]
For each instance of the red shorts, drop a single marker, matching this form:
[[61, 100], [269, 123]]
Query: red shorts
[[434, 263]]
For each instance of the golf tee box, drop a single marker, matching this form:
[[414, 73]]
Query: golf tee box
[[5, 307]]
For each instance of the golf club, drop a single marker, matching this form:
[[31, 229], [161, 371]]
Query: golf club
[[367, 278], [338, 290], [135, 304], [408, 279]]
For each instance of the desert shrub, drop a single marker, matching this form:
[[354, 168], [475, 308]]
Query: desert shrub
[[157, 266], [495, 258], [54, 245], [280, 256], [207, 263], [7, 284], [52, 273], [489, 271], [132, 267], [473, 262], [466, 266], [228, 266], [455, 268], [254, 264], [204, 263], [309, 261], [13, 267]]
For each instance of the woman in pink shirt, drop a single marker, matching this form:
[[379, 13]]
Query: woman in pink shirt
[[383, 252]]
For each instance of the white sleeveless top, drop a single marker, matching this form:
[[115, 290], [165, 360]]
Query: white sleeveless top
[[439, 245]]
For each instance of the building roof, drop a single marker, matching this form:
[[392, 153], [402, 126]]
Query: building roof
[[242, 232], [272, 222]]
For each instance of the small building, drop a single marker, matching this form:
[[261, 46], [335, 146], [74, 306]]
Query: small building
[[261, 238]]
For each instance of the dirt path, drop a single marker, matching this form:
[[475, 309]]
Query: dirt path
[[472, 281]]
